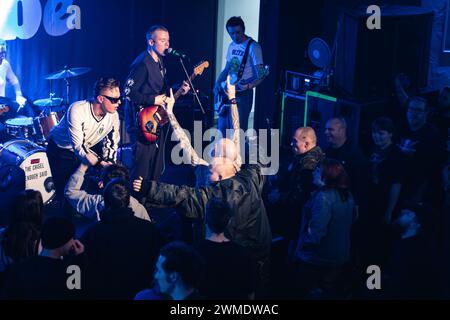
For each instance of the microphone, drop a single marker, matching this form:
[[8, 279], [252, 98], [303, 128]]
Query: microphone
[[174, 52]]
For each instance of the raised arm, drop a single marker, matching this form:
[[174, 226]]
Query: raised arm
[[12, 78], [88, 205], [231, 92], [181, 135], [400, 81], [191, 201]]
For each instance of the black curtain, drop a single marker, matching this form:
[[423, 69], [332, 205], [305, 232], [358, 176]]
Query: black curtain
[[112, 34]]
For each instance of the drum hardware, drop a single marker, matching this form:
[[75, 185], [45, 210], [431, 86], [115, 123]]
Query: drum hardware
[[66, 74]]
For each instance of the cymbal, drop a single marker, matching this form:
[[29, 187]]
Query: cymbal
[[49, 102], [67, 73]]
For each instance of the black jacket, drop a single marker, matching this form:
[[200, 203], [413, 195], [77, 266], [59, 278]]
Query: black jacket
[[121, 252], [249, 225], [145, 81], [296, 188]]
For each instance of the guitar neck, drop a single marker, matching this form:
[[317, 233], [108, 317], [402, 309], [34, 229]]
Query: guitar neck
[[180, 91]]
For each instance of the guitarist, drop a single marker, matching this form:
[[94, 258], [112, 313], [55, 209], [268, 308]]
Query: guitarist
[[246, 69], [146, 86]]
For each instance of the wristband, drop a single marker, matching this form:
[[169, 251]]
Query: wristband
[[233, 101]]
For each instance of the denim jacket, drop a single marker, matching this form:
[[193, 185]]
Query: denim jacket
[[325, 231]]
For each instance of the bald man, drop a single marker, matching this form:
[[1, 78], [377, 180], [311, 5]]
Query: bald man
[[303, 140], [296, 184], [249, 225], [240, 186], [350, 155]]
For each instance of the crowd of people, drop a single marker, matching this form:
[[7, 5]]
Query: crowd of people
[[337, 210]]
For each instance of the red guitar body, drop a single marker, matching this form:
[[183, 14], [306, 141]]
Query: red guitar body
[[152, 118]]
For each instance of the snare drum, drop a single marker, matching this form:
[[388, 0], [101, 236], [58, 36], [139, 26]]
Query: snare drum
[[44, 124], [33, 160], [20, 127]]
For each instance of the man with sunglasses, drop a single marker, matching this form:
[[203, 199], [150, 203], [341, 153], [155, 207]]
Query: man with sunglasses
[[146, 86], [88, 133]]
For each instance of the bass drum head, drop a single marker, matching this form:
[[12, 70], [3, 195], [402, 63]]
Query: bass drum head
[[33, 161]]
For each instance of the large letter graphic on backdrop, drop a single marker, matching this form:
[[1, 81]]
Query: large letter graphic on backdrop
[[74, 21], [55, 15], [19, 19]]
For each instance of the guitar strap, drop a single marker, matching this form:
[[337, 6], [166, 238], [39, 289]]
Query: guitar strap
[[244, 60], [222, 99]]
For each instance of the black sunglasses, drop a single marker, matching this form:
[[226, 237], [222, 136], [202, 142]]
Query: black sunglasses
[[113, 100]]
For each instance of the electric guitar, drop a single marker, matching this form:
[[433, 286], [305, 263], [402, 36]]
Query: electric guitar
[[221, 98], [152, 118]]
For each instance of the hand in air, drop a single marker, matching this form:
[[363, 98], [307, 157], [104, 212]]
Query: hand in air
[[137, 184], [160, 100], [21, 100], [77, 247], [170, 101], [231, 89]]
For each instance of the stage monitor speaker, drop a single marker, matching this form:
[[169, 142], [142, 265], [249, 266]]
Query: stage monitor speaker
[[367, 61]]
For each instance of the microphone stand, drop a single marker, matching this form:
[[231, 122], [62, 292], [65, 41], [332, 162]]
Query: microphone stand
[[192, 86]]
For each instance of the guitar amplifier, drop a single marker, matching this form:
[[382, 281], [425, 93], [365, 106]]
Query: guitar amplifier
[[298, 83]]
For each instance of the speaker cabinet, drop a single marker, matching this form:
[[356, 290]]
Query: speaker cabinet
[[292, 116], [358, 114], [367, 61]]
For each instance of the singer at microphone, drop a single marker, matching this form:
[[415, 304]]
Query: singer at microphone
[[176, 53]]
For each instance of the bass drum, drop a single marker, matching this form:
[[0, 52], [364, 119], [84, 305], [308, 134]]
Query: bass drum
[[33, 160]]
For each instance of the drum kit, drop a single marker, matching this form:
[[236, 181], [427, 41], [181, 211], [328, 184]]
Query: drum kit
[[27, 149]]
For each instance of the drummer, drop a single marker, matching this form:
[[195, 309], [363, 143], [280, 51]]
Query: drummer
[[7, 107], [88, 133], [6, 73]]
